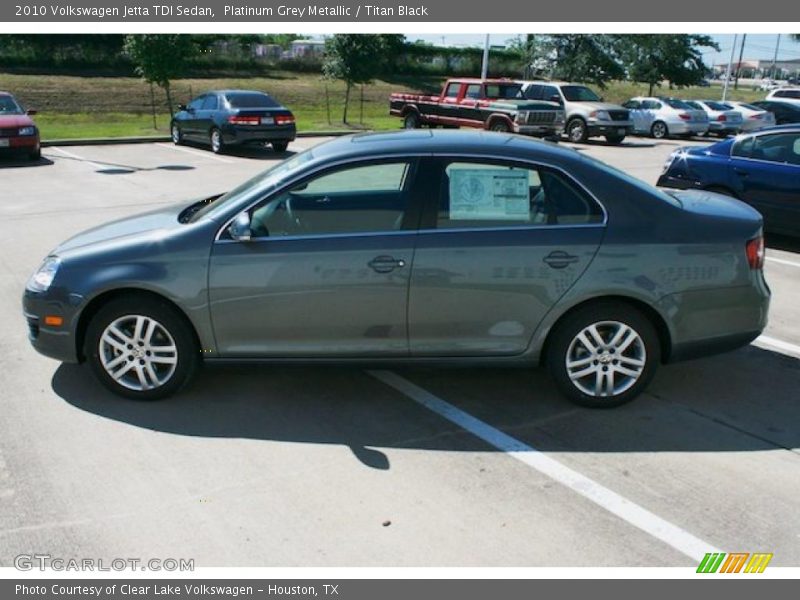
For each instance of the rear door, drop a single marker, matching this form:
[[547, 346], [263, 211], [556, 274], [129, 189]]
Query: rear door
[[449, 107], [205, 116], [500, 243]]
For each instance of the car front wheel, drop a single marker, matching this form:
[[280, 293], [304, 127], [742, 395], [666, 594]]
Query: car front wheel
[[141, 348], [216, 141], [576, 131], [177, 134], [603, 355]]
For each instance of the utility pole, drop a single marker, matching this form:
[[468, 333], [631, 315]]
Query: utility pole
[[739, 64], [728, 72], [485, 62], [775, 57]]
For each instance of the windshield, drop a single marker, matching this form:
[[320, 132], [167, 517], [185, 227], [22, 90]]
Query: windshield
[[9, 106], [675, 103], [261, 183], [579, 93], [251, 100]]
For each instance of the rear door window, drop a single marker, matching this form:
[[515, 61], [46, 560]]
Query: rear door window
[[473, 91], [477, 194]]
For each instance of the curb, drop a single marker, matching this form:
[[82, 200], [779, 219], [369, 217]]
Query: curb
[[150, 139]]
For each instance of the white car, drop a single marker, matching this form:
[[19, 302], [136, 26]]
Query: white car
[[723, 120], [768, 84], [661, 117], [785, 94], [753, 117]]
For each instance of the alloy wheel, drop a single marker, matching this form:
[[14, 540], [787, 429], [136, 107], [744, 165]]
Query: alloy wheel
[[138, 352], [606, 359]]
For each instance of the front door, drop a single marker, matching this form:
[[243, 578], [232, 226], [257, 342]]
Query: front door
[[326, 271], [500, 243]]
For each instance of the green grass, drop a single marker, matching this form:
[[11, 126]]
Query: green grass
[[84, 107]]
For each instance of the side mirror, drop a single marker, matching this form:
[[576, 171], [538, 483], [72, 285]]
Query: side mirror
[[556, 98], [239, 228], [182, 107], [31, 111]]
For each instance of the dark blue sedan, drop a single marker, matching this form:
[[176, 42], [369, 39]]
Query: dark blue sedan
[[762, 169], [234, 117]]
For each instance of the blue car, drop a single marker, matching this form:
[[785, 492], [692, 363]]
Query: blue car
[[762, 169], [227, 118]]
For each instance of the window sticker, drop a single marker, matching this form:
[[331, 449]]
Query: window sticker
[[489, 194]]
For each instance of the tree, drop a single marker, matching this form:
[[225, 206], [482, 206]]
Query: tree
[[675, 58], [159, 58], [358, 58], [582, 57]]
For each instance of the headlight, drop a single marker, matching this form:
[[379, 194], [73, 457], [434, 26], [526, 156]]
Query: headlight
[[41, 280], [30, 130], [601, 115], [522, 116]]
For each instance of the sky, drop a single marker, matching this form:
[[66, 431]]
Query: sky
[[757, 46]]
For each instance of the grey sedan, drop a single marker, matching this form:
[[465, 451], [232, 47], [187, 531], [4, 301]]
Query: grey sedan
[[417, 247]]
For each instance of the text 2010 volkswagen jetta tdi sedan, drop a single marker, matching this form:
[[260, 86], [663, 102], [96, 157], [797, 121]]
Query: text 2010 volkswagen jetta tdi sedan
[[421, 247]]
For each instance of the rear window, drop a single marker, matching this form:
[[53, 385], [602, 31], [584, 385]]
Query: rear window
[[717, 106], [251, 100], [787, 94], [749, 107]]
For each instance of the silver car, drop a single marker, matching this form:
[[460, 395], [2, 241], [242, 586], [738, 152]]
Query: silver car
[[753, 117], [723, 119], [661, 117]]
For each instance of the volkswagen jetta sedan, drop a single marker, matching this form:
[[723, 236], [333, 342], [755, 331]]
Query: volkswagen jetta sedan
[[416, 247]]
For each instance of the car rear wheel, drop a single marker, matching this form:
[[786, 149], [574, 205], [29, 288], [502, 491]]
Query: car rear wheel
[[279, 146], [411, 120], [177, 134], [216, 141], [577, 131], [659, 130], [603, 355], [141, 348]]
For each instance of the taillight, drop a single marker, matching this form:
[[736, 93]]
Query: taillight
[[237, 120], [685, 117], [755, 252], [284, 119], [722, 118]]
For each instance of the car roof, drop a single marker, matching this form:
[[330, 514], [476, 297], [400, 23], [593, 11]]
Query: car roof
[[443, 141], [479, 80], [237, 92]]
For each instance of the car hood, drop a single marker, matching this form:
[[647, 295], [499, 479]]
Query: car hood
[[598, 105], [15, 121], [154, 225], [521, 104], [703, 202]]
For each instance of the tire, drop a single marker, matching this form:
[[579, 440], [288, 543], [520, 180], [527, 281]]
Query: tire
[[411, 120], [279, 146], [659, 130], [500, 126], [640, 354], [163, 353], [35, 155], [615, 139], [577, 131], [215, 141], [176, 134]]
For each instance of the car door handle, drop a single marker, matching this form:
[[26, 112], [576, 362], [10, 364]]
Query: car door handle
[[386, 264], [558, 259], [740, 172]]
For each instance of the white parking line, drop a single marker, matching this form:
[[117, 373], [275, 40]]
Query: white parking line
[[208, 155], [775, 345], [625, 509], [783, 261], [80, 158]]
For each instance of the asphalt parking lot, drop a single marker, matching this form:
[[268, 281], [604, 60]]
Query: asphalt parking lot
[[279, 466]]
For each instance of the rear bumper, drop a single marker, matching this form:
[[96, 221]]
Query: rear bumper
[[716, 127], [706, 322], [684, 128], [251, 135]]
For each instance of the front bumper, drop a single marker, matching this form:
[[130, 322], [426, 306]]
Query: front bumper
[[553, 131], [252, 135], [678, 183], [28, 143], [54, 342], [612, 128]]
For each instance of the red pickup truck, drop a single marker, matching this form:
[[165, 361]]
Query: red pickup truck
[[493, 104]]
